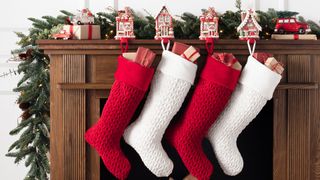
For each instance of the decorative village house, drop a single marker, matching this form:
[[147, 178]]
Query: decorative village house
[[249, 27], [209, 24], [124, 24], [164, 27]]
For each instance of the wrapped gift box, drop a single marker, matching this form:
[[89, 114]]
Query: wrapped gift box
[[129, 55], [228, 59], [274, 65], [144, 56], [179, 48], [262, 56], [191, 54], [294, 36], [83, 31]]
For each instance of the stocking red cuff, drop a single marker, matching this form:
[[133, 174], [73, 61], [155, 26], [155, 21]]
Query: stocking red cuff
[[219, 73], [133, 74]]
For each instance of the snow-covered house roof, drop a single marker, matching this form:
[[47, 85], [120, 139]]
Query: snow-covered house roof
[[209, 14], [249, 13], [164, 10], [124, 14]]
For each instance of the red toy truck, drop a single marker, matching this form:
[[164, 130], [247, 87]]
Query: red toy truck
[[291, 25], [62, 35]]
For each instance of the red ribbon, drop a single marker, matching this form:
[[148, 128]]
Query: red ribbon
[[71, 29], [184, 55], [226, 58], [296, 36], [189, 58], [275, 66], [90, 32]]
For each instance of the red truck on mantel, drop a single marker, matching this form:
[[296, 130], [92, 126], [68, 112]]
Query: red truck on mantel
[[291, 25], [63, 34]]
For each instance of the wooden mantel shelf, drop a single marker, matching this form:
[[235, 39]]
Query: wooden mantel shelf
[[107, 86], [227, 45], [82, 73]]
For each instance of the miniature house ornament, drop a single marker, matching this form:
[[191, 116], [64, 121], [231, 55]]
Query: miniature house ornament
[[124, 25], [164, 26], [83, 17], [209, 24], [249, 27]]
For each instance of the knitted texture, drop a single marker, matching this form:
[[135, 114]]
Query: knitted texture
[[165, 98], [122, 102], [245, 104], [209, 99]]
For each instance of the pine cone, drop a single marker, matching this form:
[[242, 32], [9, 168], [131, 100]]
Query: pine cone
[[24, 106], [25, 115]]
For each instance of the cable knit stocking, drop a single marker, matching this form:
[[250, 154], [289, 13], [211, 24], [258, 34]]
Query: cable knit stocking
[[129, 88], [169, 87], [256, 86], [210, 96]]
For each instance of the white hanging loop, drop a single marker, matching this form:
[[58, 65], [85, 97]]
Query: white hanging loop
[[168, 44], [249, 42]]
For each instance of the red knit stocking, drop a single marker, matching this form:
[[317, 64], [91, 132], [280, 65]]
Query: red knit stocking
[[132, 81], [209, 98]]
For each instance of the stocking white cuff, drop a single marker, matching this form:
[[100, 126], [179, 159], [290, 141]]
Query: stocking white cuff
[[176, 66], [258, 77]]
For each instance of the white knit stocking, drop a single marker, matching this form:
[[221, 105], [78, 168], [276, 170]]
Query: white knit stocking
[[169, 87], [255, 87]]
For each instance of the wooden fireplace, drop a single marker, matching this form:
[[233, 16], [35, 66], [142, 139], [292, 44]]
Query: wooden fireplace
[[82, 74]]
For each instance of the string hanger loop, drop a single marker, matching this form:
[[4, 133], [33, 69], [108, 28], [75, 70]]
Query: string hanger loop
[[124, 44], [167, 42], [210, 45], [252, 42]]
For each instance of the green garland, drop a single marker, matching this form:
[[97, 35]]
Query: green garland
[[33, 143]]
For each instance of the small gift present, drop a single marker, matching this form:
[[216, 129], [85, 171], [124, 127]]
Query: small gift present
[[179, 48], [143, 56], [83, 31], [294, 36], [274, 65], [227, 59], [188, 52], [262, 56], [191, 54], [130, 55]]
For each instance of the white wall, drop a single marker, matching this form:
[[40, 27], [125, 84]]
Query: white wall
[[14, 14], [9, 118], [307, 8]]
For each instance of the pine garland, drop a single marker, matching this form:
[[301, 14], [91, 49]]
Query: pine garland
[[34, 128], [34, 88]]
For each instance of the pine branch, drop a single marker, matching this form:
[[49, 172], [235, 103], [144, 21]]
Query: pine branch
[[53, 21], [11, 72], [238, 5], [286, 14], [67, 13], [40, 24]]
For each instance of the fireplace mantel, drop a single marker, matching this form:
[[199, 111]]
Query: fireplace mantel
[[81, 73]]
